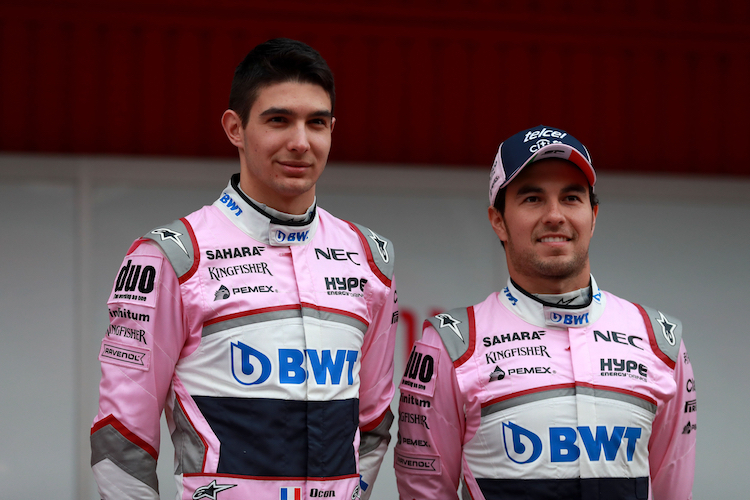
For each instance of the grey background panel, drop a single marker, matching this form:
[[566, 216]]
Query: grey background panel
[[676, 244]]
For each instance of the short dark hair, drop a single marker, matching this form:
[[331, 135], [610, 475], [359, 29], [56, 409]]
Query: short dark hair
[[276, 61]]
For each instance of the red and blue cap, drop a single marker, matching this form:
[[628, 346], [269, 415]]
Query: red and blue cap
[[534, 144]]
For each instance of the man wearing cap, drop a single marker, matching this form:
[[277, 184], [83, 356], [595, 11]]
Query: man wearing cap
[[550, 388]]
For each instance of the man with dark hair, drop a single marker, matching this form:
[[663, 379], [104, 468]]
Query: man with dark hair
[[262, 325], [551, 388]]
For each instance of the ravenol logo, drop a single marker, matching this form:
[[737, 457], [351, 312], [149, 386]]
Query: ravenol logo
[[523, 446], [252, 367]]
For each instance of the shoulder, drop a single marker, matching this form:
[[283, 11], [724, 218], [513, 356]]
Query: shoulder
[[664, 330], [178, 243], [378, 249]]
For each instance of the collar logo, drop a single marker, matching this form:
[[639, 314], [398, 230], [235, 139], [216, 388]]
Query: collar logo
[[173, 236], [451, 322], [667, 328]]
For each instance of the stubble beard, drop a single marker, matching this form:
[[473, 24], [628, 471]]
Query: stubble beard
[[556, 267]]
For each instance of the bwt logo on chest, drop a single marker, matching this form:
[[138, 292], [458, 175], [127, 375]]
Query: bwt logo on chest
[[251, 367]]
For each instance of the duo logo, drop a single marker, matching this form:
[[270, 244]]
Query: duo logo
[[252, 367], [523, 446]]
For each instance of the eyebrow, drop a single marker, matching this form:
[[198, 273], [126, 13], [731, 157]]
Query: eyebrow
[[531, 188], [284, 111]]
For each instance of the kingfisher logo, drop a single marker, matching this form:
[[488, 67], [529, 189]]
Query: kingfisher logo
[[252, 367], [523, 446]]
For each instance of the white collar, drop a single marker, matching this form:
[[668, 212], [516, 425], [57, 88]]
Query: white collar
[[263, 223], [541, 311]]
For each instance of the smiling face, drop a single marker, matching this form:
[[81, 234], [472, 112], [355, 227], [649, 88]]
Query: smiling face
[[284, 146], [547, 227]]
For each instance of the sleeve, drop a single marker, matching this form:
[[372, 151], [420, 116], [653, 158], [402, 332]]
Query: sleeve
[[138, 354], [431, 425], [376, 390], [673, 438]]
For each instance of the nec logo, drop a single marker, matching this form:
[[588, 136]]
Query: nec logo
[[523, 446], [252, 367], [618, 338], [336, 254], [231, 204]]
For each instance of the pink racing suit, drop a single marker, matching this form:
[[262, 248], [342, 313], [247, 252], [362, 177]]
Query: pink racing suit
[[527, 400], [269, 344]]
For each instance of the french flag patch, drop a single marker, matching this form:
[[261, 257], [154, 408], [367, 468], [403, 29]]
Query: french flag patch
[[290, 494]]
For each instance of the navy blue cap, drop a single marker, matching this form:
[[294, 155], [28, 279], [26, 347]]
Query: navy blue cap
[[534, 144]]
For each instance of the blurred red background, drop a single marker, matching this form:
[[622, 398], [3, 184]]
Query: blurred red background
[[648, 85]]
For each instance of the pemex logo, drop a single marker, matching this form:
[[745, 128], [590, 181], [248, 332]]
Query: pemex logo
[[249, 366], [521, 445]]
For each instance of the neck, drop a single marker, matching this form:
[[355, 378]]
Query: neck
[[553, 286]]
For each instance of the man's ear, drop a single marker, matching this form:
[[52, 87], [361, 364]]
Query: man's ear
[[232, 125], [333, 123], [498, 224], [593, 223]]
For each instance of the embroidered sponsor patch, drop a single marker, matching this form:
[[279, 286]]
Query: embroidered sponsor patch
[[418, 464], [137, 281], [421, 369], [128, 356]]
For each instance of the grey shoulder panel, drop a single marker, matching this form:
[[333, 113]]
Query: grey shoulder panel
[[175, 241], [453, 328], [667, 331], [380, 248]]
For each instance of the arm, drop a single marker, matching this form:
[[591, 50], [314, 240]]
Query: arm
[[376, 390], [137, 355], [672, 446], [431, 424]]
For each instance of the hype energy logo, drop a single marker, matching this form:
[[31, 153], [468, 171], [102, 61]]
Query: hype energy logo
[[252, 367], [565, 444]]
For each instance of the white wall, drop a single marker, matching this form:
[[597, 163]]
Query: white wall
[[679, 244]]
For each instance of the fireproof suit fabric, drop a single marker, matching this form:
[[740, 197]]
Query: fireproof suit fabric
[[269, 345], [523, 400]]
